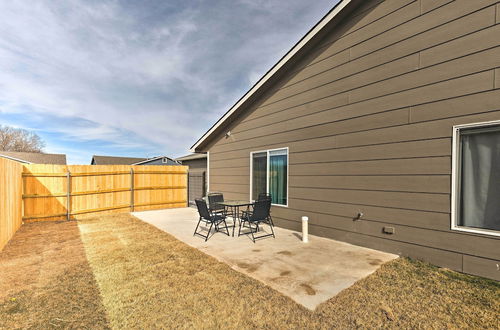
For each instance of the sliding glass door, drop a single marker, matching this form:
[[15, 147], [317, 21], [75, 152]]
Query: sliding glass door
[[259, 174], [269, 174]]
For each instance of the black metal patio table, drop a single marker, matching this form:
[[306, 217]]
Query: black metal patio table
[[235, 206]]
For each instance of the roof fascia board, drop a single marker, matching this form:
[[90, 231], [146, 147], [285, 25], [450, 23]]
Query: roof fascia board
[[16, 159], [315, 30]]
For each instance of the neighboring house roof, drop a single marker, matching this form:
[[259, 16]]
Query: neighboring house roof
[[191, 157], [112, 160], [34, 157], [283, 64], [153, 159]]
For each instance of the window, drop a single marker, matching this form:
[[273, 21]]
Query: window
[[476, 178], [269, 174]]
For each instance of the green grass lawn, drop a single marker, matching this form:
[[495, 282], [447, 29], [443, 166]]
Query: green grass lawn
[[136, 276]]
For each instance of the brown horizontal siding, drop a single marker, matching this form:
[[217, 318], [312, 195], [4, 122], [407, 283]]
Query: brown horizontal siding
[[331, 81], [367, 117], [469, 44], [481, 266], [396, 13], [389, 183], [395, 183], [403, 200], [412, 132], [404, 183], [428, 5], [453, 11], [455, 107], [415, 166], [415, 218], [478, 20], [414, 149], [366, 14], [231, 179], [443, 34], [470, 83], [323, 150], [344, 40]]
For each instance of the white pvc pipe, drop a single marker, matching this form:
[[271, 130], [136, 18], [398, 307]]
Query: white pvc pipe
[[305, 229]]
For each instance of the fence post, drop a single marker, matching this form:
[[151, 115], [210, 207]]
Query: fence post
[[187, 188], [131, 189], [68, 196], [23, 192]]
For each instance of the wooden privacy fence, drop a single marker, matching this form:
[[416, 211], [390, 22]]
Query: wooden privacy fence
[[10, 199], [58, 192]]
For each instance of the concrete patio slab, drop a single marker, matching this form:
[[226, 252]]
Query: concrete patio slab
[[309, 273]]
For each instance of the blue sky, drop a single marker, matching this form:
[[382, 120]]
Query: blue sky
[[137, 78]]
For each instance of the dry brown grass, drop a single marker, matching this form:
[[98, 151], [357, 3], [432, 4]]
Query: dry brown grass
[[46, 281], [149, 279]]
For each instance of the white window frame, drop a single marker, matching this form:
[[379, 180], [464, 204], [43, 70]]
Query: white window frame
[[208, 173], [267, 151], [455, 177]]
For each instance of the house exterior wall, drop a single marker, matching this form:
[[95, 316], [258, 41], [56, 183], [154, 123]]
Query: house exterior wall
[[367, 116], [196, 164]]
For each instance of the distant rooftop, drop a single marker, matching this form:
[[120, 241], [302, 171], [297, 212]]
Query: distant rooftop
[[191, 157], [113, 160], [35, 157]]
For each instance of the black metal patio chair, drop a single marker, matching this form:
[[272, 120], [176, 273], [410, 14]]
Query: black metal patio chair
[[264, 196], [259, 215], [213, 201], [261, 197], [209, 217]]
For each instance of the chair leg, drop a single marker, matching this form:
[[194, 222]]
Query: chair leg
[[227, 229], [209, 230], [251, 231], [272, 230], [196, 229], [239, 230], [271, 219], [234, 219]]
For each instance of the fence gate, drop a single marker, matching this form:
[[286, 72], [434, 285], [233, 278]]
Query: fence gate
[[196, 185]]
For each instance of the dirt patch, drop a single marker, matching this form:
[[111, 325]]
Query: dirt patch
[[248, 267], [285, 253], [309, 289], [375, 262], [285, 273], [46, 281]]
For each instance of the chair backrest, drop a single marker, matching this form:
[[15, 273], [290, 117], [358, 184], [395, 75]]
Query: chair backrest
[[261, 210], [203, 209], [264, 197], [214, 199]]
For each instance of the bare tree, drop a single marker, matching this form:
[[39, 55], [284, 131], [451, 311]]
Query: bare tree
[[18, 139]]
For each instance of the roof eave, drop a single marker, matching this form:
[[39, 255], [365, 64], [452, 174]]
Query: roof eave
[[288, 56], [16, 159], [152, 159]]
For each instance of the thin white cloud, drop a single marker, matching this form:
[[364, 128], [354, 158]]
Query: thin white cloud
[[142, 73]]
